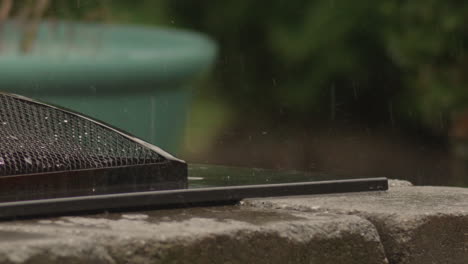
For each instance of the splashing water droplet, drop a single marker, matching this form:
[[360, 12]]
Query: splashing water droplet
[[28, 160]]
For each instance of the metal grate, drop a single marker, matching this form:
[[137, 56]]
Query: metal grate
[[35, 138]]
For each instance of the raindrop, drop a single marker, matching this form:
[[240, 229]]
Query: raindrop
[[28, 160], [332, 103], [390, 111]]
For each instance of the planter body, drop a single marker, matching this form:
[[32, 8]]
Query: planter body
[[134, 78]]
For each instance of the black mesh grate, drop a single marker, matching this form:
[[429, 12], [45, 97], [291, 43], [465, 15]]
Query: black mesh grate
[[38, 139]]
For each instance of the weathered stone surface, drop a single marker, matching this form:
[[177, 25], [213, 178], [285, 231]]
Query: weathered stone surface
[[416, 224], [197, 235], [399, 183]]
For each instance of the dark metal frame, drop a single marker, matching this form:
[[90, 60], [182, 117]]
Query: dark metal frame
[[139, 186], [183, 197]]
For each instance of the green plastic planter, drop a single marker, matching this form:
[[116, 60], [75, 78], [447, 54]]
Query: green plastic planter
[[134, 78]]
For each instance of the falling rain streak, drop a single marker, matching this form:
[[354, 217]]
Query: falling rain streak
[[391, 115], [332, 103]]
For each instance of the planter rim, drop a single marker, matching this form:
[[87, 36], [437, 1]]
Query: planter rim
[[102, 53]]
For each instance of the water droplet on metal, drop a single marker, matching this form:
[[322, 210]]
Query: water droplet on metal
[[28, 160]]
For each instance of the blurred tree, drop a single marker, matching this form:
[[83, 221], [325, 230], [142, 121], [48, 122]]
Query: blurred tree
[[376, 61], [298, 60], [428, 41]]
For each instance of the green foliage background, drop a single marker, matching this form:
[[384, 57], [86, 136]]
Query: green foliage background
[[308, 60]]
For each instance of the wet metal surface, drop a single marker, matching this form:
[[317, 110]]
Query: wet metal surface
[[211, 175]]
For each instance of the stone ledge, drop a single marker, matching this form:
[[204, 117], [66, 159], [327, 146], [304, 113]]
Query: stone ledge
[[416, 224], [404, 225], [196, 235]]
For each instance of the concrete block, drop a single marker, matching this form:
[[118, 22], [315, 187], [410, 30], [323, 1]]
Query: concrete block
[[416, 224], [229, 234]]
